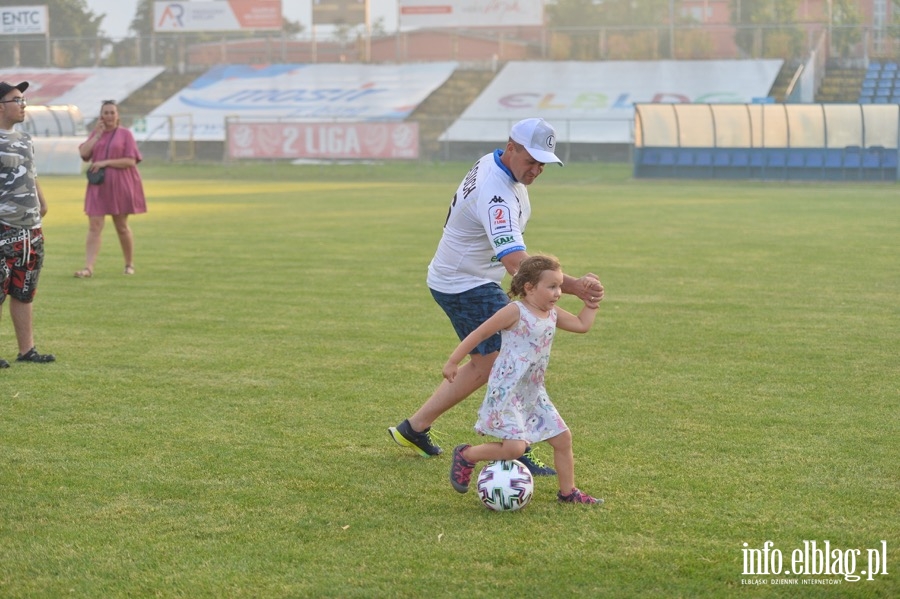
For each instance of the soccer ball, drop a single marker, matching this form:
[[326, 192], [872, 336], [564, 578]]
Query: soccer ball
[[505, 486]]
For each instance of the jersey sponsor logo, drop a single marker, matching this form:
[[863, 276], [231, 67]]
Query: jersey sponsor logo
[[498, 241], [500, 220]]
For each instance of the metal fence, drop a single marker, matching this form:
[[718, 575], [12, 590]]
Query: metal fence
[[854, 45]]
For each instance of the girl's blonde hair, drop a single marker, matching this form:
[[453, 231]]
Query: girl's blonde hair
[[530, 271]]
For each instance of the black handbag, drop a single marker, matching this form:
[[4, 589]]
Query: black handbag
[[98, 176]]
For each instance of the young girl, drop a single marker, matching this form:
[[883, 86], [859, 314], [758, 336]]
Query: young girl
[[516, 408]]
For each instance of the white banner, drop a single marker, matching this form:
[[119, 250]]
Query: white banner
[[85, 87], [24, 20], [220, 15], [592, 102], [323, 141], [300, 92], [471, 13]]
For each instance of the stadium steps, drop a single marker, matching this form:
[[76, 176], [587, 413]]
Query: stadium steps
[[445, 104], [840, 86], [161, 88], [779, 87]]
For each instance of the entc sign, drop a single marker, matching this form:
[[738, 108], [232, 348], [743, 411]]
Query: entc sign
[[19, 20]]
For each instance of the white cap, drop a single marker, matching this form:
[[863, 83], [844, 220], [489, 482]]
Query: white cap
[[538, 137]]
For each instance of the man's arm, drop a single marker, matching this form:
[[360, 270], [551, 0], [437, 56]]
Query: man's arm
[[41, 199]]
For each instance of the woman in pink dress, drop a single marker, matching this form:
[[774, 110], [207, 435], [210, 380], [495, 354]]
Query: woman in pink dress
[[121, 193]]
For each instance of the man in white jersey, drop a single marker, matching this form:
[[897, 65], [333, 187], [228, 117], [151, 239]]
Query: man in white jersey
[[481, 242], [22, 206]]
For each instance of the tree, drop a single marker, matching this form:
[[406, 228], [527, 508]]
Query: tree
[[768, 28], [845, 26]]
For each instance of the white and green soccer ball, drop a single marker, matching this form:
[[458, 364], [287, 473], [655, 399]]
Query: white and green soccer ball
[[505, 486]]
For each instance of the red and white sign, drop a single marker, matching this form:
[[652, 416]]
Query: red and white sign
[[220, 15], [471, 13], [323, 141]]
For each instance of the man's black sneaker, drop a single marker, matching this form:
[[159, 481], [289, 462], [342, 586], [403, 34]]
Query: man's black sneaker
[[404, 436], [535, 465], [33, 356]]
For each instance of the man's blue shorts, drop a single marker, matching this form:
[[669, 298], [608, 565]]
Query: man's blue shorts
[[469, 309]]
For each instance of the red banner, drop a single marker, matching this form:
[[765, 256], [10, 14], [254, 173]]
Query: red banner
[[323, 141]]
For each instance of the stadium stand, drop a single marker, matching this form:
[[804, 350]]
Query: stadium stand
[[833, 142]]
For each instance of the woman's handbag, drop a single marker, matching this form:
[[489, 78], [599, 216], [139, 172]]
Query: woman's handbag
[[98, 176]]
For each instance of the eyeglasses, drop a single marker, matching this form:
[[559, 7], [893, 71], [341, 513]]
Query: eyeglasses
[[21, 101]]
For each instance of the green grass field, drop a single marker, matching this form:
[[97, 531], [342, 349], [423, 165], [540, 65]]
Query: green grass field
[[215, 426]]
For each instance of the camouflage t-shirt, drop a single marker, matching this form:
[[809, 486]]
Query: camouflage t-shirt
[[19, 205]]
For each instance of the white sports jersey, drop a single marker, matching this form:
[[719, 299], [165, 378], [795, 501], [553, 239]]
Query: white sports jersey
[[486, 220]]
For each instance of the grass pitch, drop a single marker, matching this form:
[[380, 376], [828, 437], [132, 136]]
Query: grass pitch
[[215, 425]]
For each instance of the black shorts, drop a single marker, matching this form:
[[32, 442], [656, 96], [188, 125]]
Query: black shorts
[[468, 310], [22, 253]]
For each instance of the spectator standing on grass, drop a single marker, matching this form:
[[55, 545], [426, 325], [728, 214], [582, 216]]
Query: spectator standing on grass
[[516, 408], [482, 241], [112, 148], [22, 207]]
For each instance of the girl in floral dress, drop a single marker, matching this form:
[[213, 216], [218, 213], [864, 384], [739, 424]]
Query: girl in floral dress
[[516, 408]]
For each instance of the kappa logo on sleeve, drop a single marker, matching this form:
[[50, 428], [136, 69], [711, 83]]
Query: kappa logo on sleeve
[[501, 222]]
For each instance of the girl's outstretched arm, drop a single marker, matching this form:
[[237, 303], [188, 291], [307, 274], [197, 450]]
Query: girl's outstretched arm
[[504, 318], [577, 324]]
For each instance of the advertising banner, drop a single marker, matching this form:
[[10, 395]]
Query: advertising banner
[[24, 20], [84, 87], [471, 13], [593, 102], [339, 12], [296, 92], [219, 15], [323, 141]]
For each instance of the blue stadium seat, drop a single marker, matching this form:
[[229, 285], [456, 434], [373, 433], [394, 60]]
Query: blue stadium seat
[[852, 162], [833, 163], [890, 66], [776, 163], [703, 157], [889, 164], [684, 157], [814, 158], [869, 83], [721, 158], [871, 162], [883, 92], [667, 157], [649, 156], [740, 157]]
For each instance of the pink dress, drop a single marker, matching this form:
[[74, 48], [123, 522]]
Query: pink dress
[[122, 192], [516, 405]]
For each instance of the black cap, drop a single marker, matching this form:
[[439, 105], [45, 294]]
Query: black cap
[[5, 87]]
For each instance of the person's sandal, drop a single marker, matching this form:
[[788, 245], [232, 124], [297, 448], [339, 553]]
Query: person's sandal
[[33, 356], [84, 273], [129, 269]]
